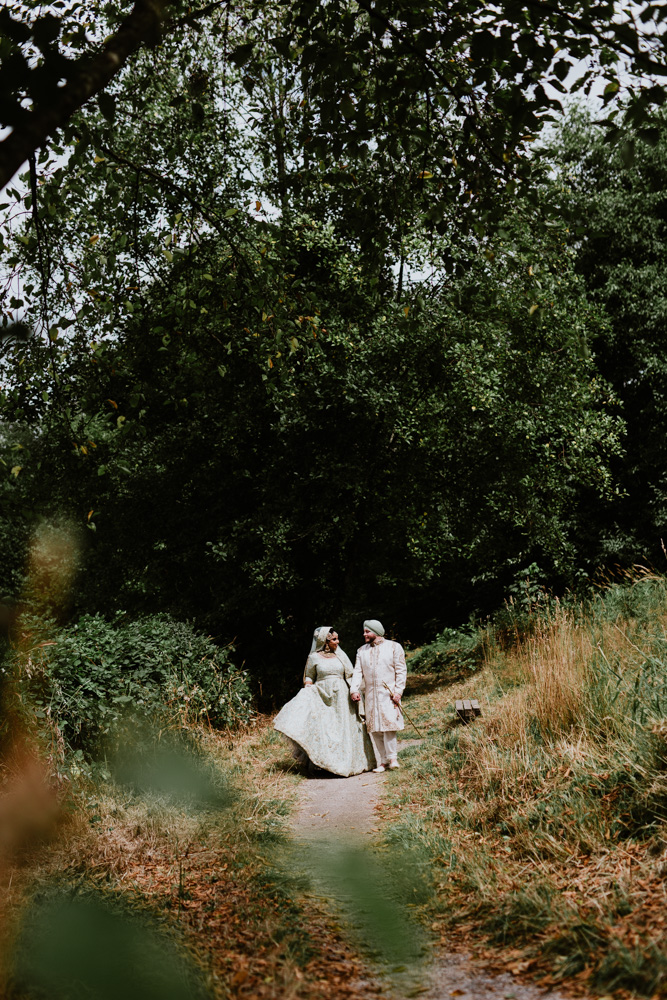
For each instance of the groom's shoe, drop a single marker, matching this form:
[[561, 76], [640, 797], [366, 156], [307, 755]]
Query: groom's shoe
[[393, 765], [380, 769]]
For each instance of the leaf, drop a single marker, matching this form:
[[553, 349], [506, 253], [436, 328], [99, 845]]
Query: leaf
[[230, 212], [533, 308], [347, 107], [100, 159], [113, 403], [282, 45], [242, 53], [107, 105], [627, 152], [425, 175], [93, 240], [16, 469]]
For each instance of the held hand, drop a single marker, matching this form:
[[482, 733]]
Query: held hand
[[307, 683], [396, 698], [355, 696]]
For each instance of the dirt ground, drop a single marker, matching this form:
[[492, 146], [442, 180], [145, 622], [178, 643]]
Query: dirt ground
[[338, 814]]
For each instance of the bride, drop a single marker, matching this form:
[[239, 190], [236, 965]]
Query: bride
[[322, 722]]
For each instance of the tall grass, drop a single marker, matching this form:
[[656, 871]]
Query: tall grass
[[547, 817]]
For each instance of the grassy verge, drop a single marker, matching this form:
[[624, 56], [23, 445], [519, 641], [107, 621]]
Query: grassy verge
[[546, 819]]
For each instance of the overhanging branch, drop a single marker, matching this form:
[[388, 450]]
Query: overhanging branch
[[88, 78]]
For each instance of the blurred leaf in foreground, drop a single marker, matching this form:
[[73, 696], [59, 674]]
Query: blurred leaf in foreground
[[72, 948], [167, 763], [372, 893]]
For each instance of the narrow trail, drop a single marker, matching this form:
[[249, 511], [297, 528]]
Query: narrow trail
[[336, 821], [338, 808]]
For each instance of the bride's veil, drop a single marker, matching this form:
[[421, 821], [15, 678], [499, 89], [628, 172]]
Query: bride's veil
[[319, 638]]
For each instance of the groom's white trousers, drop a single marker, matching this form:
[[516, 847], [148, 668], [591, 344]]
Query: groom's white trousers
[[385, 747]]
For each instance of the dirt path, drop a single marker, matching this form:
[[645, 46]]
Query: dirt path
[[336, 821], [338, 808]]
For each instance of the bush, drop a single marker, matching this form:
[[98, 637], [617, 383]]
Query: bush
[[89, 676], [455, 653]]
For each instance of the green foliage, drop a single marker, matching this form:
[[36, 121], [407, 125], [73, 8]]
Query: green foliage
[[240, 386], [618, 229], [453, 654], [95, 673], [73, 946], [242, 452], [399, 90]]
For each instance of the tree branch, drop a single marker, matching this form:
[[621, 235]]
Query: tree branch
[[195, 15], [164, 181], [88, 78]]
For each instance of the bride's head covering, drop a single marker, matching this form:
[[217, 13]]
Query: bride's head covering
[[319, 638]]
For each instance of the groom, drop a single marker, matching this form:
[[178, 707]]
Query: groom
[[381, 670]]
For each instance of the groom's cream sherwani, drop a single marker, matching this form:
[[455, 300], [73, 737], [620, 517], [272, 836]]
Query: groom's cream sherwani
[[377, 665]]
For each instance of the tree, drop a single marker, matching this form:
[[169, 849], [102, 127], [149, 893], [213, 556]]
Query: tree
[[412, 457], [236, 379], [618, 218], [467, 84]]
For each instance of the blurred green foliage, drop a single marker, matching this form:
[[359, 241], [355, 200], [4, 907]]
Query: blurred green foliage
[[74, 947]]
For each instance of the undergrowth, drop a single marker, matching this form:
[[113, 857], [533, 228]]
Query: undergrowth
[[546, 818], [172, 868], [84, 679]]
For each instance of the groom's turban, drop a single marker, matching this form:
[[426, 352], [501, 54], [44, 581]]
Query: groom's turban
[[373, 625]]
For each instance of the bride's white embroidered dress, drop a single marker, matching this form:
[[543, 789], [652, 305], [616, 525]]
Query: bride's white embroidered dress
[[322, 720]]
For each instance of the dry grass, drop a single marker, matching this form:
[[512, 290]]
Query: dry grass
[[544, 824], [546, 819], [200, 875]]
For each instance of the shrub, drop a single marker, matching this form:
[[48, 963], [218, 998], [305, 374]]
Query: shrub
[[90, 675], [454, 653]]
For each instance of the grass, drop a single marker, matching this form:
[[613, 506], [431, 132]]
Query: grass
[[546, 819], [536, 835], [199, 881]]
